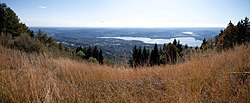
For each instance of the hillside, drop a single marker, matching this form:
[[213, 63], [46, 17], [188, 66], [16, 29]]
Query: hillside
[[35, 68], [206, 77]]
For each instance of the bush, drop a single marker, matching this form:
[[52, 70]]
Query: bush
[[80, 54], [92, 60], [25, 43]]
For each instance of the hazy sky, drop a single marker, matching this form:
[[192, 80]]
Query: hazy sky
[[129, 13]]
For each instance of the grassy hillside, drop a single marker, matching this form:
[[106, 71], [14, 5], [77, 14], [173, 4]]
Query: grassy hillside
[[206, 77]]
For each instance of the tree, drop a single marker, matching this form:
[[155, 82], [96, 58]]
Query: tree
[[203, 44], [10, 22], [100, 57], [139, 59], [95, 52], [162, 56], [88, 53], [79, 49], [135, 62], [228, 38], [185, 46], [145, 56], [171, 53], [243, 34], [180, 48], [154, 57], [175, 42]]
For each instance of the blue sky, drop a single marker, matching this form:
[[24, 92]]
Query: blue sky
[[129, 13]]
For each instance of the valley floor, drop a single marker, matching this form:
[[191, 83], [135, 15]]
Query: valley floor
[[206, 77]]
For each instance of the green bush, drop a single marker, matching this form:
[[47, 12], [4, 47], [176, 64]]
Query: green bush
[[92, 60], [25, 43], [80, 54]]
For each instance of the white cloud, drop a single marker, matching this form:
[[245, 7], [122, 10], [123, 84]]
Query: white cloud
[[42, 7]]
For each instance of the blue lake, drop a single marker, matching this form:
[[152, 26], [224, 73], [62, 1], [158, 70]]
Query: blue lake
[[190, 41]]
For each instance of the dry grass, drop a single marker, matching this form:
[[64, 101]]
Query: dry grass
[[205, 77]]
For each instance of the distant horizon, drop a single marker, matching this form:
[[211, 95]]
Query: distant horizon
[[119, 27], [129, 13]]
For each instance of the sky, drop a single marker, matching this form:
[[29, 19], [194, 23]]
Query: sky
[[129, 13]]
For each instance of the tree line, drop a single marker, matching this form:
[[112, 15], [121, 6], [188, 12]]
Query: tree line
[[91, 54], [231, 36], [168, 54], [16, 35]]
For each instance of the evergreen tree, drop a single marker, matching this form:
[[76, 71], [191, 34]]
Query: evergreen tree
[[139, 59], [175, 42], [162, 56], [133, 62], [179, 48], [9, 21], [228, 38], [145, 56], [185, 46], [100, 57], [79, 49], [171, 53], [95, 52], [203, 44], [88, 53], [154, 57]]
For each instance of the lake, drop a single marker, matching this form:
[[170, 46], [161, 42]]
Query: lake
[[190, 41]]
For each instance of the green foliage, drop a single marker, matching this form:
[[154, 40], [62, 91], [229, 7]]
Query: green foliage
[[92, 60], [139, 57], [171, 53], [10, 22], [25, 43], [80, 54], [100, 57], [229, 37], [17, 35], [155, 57], [91, 52], [166, 55], [203, 45], [145, 56]]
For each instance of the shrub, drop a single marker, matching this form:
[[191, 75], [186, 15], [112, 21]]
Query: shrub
[[25, 43], [80, 54], [92, 60]]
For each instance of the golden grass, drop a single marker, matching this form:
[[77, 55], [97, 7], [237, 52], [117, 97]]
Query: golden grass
[[206, 77]]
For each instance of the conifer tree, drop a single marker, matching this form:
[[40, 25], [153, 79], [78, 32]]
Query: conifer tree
[[203, 44], [228, 38], [154, 57], [171, 53], [139, 59], [100, 57], [175, 42], [95, 52], [162, 56], [88, 53], [145, 55], [133, 62]]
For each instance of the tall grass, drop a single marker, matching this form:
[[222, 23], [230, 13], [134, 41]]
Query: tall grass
[[205, 77]]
